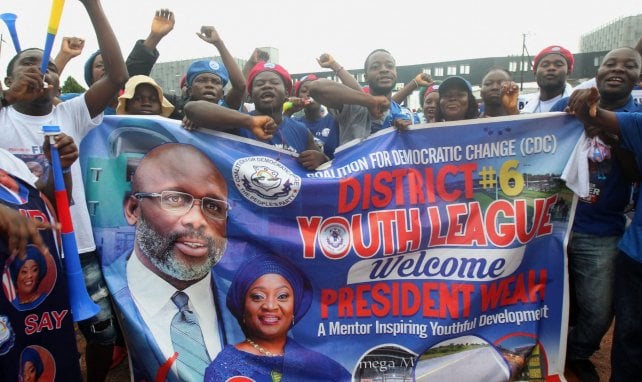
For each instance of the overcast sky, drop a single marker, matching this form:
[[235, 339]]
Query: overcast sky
[[413, 31]]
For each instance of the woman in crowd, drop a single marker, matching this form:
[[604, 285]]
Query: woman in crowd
[[456, 100], [268, 296]]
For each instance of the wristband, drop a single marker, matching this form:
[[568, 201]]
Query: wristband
[[66, 170], [416, 83]]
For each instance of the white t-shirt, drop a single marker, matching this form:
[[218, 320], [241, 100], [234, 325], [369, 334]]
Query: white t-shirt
[[22, 136], [535, 105]]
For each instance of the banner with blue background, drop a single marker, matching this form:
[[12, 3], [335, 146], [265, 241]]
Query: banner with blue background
[[434, 254]]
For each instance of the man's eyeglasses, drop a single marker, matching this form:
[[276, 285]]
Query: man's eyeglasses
[[179, 203]]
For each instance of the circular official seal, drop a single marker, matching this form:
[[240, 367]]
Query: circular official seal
[[214, 65], [334, 239], [7, 336], [265, 181]]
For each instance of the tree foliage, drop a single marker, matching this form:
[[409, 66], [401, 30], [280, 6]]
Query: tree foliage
[[72, 86]]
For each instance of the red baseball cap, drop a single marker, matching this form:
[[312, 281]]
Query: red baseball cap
[[297, 85], [555, 49], [263, 66]]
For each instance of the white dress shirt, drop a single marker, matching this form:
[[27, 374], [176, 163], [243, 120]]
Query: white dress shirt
[[152, 296]]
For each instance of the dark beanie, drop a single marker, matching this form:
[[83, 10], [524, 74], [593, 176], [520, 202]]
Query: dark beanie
[[89, 68]]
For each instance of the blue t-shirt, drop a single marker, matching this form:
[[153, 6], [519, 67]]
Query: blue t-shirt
[[290, 135], [631, 133], [326, 130], [602, 212]]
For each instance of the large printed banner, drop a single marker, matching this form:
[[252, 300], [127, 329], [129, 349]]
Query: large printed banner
[[435, 254]]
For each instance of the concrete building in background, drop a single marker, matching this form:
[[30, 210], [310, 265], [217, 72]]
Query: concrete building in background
[[168, 74], [625, 31]]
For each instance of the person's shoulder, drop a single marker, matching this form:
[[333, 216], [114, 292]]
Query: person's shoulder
[[560, 105]]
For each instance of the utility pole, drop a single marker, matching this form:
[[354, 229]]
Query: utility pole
[[521, 64]]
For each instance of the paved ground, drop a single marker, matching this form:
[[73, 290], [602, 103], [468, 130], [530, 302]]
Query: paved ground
[[601, 359]]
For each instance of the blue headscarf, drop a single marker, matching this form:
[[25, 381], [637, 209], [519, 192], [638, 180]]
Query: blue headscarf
[[31, 355], [264, 264], [32, 254]]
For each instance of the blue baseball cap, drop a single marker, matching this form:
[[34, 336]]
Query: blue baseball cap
[[454, 80], [207, 66]]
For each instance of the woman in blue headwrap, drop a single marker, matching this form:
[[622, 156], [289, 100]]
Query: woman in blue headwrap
[[268, 296], [26, 275], [31, 366]]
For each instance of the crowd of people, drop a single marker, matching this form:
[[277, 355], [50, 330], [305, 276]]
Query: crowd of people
[[310, 117]]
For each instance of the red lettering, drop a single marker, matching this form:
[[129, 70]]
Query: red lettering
[[380, 299], [410, 299], [308, 228], [361, 248], [408, 232], [501, 234], [328, 297], [348, 187], [415, 187], [383, 192], [31, 324]]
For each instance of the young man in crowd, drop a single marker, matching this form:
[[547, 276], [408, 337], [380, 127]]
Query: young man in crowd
[[599, 218], [551, 67], [27, 106]]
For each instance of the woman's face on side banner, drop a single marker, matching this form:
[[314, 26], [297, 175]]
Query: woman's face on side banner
[[269, 307], [29, 372], [28, 278]]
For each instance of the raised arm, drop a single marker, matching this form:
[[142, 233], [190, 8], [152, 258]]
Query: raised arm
[[257, 56], [233, 98], [327, 61], [421, 79], [335, 95], [102, 92], [71, 47], [211, 116], [143, 56]]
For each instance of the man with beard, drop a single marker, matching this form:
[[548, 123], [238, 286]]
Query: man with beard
[[360, 114], [180, 214], [551, 67], [599, 219]]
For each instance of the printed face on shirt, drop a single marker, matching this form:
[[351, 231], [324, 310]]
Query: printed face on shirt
[[28, 281], [618, 73], [268, 92], [269, 307], [454, 103], [145, 101], [29, 372], [206, 87], [182, 246], [491, 87], [381, 73], [551, 73]]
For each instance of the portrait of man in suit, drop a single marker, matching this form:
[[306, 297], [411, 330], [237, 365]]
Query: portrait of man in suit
[[178, 205]]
